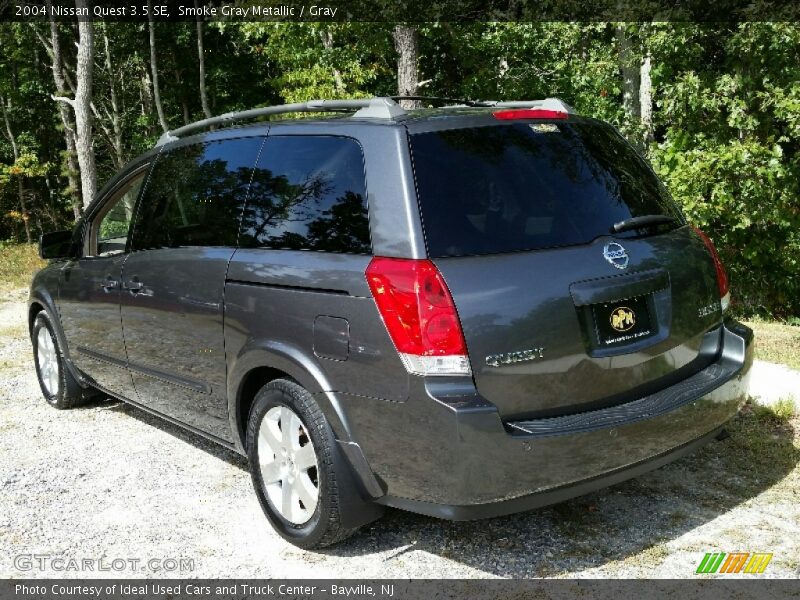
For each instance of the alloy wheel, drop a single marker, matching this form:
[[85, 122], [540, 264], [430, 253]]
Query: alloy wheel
[[288, 465], [48, 361]]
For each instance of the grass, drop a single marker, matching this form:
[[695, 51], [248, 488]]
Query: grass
[[7, 365], [764, 444], [777, 342], [14, 330], [18, 263], [784, 409], [677, 517]]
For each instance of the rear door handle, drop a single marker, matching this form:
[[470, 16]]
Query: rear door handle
[[109, 284]]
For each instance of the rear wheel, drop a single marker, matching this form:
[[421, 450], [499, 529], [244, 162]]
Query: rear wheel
[[58, 385], [292, 461]]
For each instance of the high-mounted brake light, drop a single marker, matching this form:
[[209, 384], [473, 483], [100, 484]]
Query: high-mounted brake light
[[722, 275], [529, 113], [419, 315]]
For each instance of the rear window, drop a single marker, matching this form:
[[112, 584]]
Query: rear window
[[527, 186]]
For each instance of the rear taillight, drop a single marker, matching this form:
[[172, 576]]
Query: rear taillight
[[419, 314], [722, 275], [529, 113]]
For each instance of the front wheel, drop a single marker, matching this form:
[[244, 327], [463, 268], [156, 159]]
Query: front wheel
[[292, 457], [58, 385]]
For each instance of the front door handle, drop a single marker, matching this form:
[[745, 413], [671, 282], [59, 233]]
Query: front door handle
[[109, 284], [134, 286]]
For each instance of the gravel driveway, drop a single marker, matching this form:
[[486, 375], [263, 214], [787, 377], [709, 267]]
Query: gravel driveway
[[110, 481]]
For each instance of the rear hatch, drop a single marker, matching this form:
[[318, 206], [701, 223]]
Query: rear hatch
[[560, 312]]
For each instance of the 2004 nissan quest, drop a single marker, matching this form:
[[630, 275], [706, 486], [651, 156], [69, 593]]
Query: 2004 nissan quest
[[462, 311]]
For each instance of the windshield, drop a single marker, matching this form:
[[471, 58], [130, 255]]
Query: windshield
[[531, 185]]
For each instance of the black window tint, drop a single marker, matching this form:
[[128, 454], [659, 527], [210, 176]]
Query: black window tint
[[195, 195], [308, 193], [525, 186]]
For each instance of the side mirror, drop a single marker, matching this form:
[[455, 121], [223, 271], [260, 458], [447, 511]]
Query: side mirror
[[57, 244]]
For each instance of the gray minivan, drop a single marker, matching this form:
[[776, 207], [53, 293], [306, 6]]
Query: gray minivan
[[463, 311]]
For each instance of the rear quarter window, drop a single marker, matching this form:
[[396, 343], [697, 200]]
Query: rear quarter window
[[529, 185], [308, 193]]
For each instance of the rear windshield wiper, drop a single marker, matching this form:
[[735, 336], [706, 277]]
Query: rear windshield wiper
[[641, 222]]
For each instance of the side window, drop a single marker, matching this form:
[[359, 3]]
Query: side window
[[308, 193], [195, 195], [110, 228]]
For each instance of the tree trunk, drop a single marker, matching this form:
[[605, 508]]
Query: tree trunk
[[154, 69], [116, 125], [202, 61], [629, 68], [48, 206], [24, 208], [184, 102], [646, 100], [66, 118], [20, 184], [82, 107], [327, 43], [73, 169], [406, 43], [145, 90]]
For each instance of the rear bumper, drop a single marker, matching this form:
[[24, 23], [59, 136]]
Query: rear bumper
[[547, 497], [475, 466]]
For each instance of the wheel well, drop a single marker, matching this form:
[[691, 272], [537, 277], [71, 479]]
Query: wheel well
[[34, 310], [253, 381]]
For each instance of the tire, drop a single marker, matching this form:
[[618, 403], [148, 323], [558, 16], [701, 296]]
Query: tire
[[276, 403], [59, 387]]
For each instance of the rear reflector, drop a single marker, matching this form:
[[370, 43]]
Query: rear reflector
[[419, 315], [529, 113], [722, 275]]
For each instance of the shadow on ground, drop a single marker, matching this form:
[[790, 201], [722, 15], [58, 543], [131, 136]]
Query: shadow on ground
[[189, 437], [633, 518]]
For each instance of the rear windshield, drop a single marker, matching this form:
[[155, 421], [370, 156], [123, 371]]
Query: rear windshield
[[526, 186]]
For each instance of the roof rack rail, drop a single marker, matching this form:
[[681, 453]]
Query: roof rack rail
[[477, 103], [438, 99], [366, 108], [548, 104], [381, 107]]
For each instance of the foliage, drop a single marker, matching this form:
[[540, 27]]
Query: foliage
[[726, 121], [729, 154], [30, 116], [726, 108], [316, 60]]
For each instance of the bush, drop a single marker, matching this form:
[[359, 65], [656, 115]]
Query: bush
[[18, 263], [752, 220], [728, 124]]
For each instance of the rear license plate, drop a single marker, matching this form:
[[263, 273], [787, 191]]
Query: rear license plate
[[622, 322]]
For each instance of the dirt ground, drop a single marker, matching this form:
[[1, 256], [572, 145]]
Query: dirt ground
[[109, 481]]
